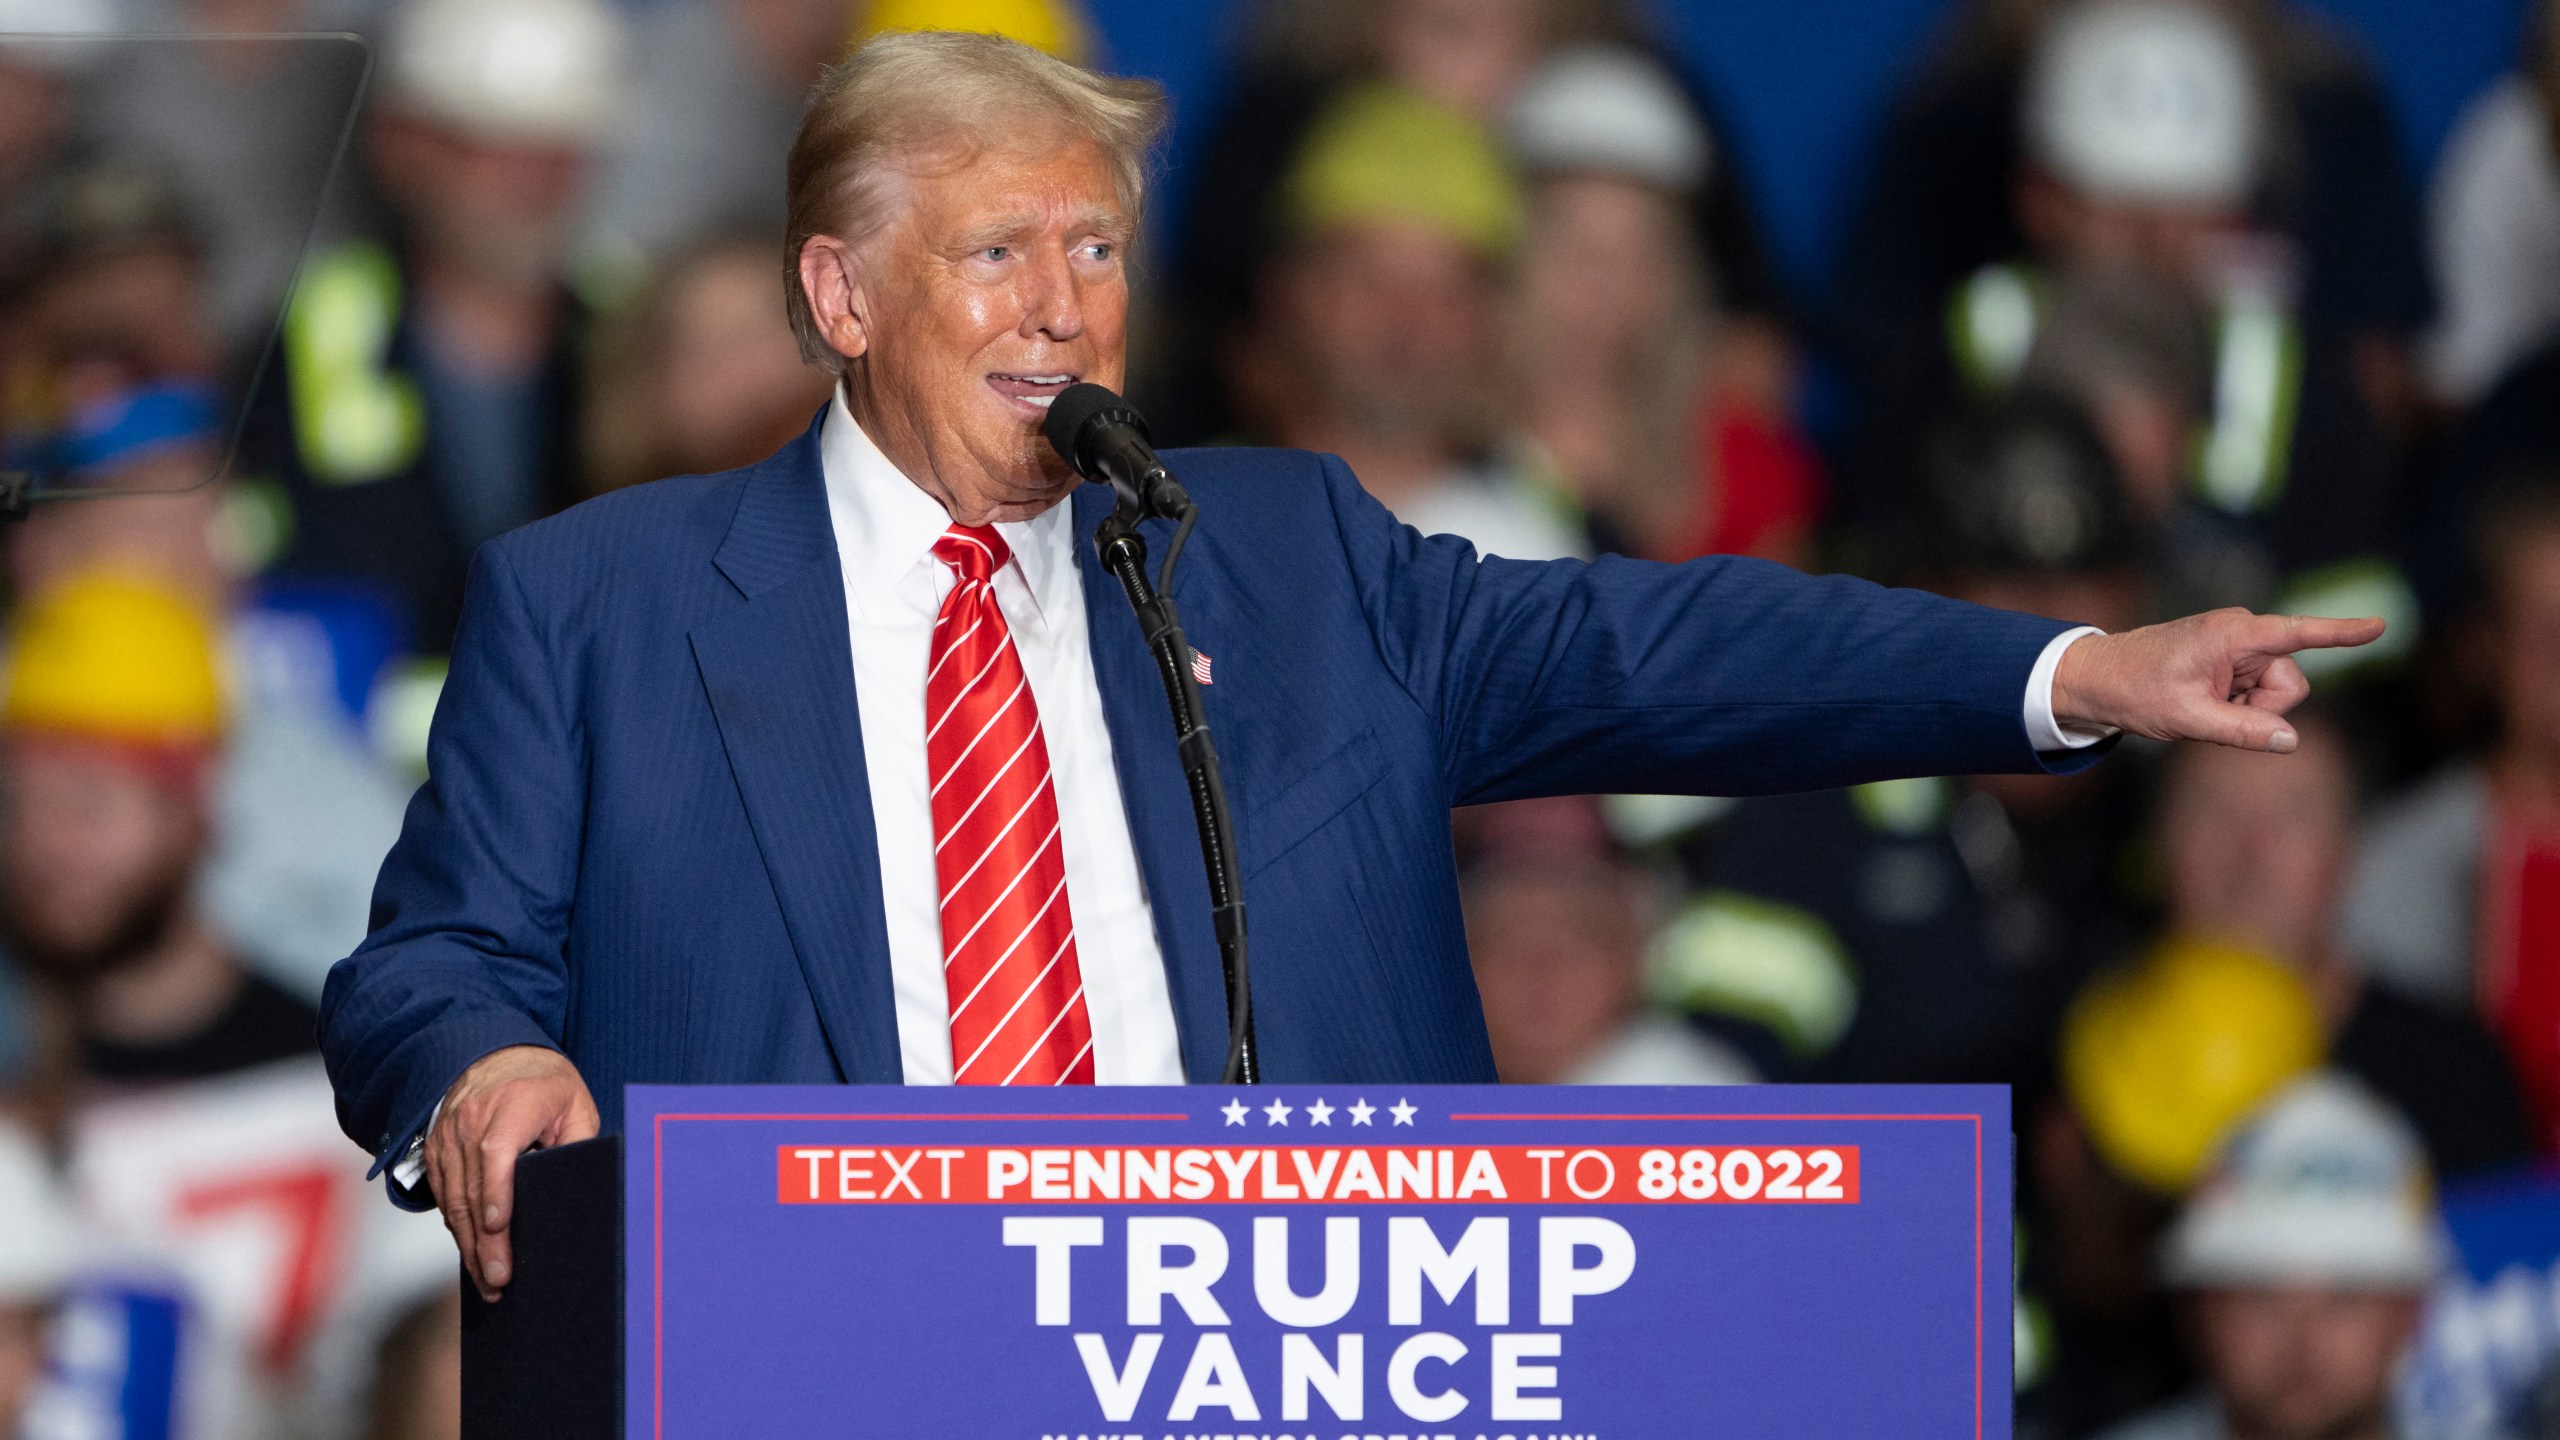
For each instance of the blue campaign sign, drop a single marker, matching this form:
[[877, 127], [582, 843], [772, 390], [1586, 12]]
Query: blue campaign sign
[[2491, 1343], [1318, 1261]]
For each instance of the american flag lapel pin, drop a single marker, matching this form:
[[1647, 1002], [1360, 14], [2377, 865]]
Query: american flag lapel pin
[[1200, 666]]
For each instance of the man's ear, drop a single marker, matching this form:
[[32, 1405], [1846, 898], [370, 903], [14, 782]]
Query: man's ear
[[831, 280]]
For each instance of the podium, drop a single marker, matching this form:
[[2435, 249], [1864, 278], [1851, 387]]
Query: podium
[[1301, 1261], [545, 1361]]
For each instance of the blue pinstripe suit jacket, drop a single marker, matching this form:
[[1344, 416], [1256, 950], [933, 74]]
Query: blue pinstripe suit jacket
[[646, 838]]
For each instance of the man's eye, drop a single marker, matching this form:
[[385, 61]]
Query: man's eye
[[1101, 250], [997, 252]]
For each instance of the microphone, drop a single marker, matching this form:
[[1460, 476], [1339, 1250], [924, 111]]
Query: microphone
[[1103, 439]]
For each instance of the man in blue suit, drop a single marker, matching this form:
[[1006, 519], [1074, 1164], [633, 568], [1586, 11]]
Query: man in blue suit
[[851, 766]]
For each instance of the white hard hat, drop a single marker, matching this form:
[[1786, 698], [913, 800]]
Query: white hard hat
[[2145, 100], [524, 70], [1597, 107], [42, 34], [60, 17], [38, 1238], [2324, 1184]]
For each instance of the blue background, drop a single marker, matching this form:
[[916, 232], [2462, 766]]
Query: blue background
[[1803, 85], [1827, 1321]]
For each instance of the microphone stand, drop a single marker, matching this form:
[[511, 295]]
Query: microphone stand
[[1124, 555]]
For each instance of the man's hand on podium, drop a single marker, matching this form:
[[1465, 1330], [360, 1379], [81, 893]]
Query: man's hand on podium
[[2227, 676], [508, 1102]]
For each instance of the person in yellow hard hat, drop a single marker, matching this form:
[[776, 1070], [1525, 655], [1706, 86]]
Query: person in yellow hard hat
[[1377, 338], [2262, 852], [111, 723], [2158, 1062], [169, 1063], [112, 717]]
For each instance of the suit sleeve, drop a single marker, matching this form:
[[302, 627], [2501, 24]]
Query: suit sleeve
[[1722, 676], [470, 914]]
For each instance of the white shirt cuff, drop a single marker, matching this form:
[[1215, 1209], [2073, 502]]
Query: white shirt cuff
[[2044, 732], [409, 1172]]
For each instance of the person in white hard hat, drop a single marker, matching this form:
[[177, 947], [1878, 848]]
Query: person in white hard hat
[[1476, 56], [2305, 1256], [431, 379], [2339, 183], [2147, 294], [1623, 369], [2143, 127]]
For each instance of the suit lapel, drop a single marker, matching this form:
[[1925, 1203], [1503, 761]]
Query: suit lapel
[[778, 668], [1157, 796]]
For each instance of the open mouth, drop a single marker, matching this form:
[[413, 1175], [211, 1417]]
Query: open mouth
[[1032, 392]]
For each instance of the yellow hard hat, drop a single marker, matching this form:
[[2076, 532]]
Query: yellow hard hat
[[1382, 153], [2163, 1058], [114, 656], [1055, 26]]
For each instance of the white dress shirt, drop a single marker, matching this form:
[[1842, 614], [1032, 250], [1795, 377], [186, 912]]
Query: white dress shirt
[[893, 587], [2045, 732]]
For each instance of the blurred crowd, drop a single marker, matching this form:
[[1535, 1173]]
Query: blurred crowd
[[2142, 310]]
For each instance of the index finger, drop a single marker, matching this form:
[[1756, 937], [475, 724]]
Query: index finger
[[2319, 632]]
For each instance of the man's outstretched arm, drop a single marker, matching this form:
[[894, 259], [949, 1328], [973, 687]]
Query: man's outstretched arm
[[1729, 676]]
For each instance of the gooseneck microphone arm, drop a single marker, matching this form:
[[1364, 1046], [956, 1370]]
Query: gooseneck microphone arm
[[1098, 434]]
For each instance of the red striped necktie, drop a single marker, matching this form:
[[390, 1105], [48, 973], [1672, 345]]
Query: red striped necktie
[[1008, 941]]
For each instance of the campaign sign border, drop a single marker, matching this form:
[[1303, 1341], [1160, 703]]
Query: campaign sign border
[[760, 1124]]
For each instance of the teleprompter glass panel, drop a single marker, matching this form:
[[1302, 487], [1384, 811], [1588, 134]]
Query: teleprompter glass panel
[[158, 197]]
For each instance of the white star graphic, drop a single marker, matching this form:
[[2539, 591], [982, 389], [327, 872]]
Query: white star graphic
[[1278, 1110], [1319, 1113], [1403, 1111], [1234, 1111], [1361, 1110]]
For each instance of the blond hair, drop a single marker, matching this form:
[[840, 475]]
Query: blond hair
[[907, 94]]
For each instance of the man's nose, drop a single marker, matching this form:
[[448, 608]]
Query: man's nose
[[1053, 300]]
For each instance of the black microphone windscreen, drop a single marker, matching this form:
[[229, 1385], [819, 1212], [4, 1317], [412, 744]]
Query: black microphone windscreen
[[1075, 408]]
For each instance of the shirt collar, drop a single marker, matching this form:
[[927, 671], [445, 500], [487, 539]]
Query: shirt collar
[[886, 524]]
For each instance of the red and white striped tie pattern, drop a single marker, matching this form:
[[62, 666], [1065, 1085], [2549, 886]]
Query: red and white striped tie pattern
[[1008, 941]]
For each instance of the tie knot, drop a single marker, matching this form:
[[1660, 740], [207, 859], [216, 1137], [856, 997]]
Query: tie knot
[[976, 551]]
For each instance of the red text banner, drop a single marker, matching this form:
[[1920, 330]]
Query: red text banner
[[1318, 1174]]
